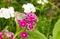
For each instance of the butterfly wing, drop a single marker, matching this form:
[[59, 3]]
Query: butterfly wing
[[20, 16]]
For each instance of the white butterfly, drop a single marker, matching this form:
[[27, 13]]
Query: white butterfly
[[19, 16]]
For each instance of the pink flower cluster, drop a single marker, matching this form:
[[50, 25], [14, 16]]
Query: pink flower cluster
[[6, 34], [28, 22]]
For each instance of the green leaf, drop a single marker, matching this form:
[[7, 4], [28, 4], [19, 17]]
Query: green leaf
[[50, 37], [36, 35], [58, 35], [56, 30]]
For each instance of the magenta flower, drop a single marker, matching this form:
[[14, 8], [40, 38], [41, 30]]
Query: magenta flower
[[35, 19], [32, 15], [30, 27], [9, 35], [1, 35], [24, 35], [31, 22], [32, 19], [29, 18], [22, 23]]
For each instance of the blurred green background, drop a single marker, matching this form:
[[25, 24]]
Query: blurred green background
[[48, 14]]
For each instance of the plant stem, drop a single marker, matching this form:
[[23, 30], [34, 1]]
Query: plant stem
[[54, 6]]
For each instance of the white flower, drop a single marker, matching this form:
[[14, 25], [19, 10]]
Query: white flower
[[11, 11], [29, 7], [1, 15], [42, 1], [46, 1], [7, 12], [39, 1], [32, 8], [26, 8]]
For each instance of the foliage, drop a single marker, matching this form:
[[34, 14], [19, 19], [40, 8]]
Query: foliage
[[47, 26], [56, 30]]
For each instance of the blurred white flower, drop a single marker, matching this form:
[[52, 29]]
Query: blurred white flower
[[7, 12], [1, 15], [42, 1], [32, 8], [26, 8], [29, 7], [39, 1], [11, 11], [46, 1]]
